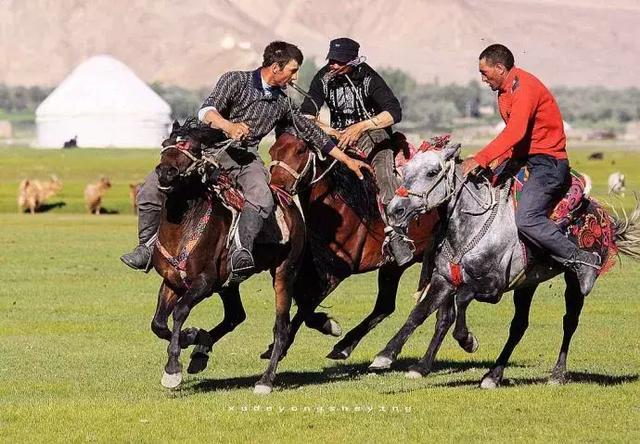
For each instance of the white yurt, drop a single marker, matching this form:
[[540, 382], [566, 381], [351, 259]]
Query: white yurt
[[104, 104]]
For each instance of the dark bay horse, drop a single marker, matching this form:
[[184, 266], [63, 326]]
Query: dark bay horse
[[480, 257], [345, 234], [191, 255]]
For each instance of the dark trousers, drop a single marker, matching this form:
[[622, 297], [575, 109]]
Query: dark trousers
[[548, 180]]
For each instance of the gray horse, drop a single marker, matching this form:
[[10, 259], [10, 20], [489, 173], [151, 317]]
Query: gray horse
[[480, 256]]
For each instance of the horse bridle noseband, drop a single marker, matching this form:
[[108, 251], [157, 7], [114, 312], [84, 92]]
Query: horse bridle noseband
[[183, 147]]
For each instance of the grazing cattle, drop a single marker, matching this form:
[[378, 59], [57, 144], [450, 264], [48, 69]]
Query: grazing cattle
[[617, 183], [33, 193], [93, 194], [134, 188]]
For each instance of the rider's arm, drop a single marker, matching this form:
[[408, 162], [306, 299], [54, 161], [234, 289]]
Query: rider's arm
[[523, 108], [381, 120], [312, 134], [219, 101], [382, 95]]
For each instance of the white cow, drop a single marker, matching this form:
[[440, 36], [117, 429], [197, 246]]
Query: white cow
[[616, 183]]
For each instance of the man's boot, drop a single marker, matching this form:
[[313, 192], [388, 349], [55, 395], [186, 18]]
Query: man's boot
[[587, 267], [140, 257], [242, 264], [400, 246]]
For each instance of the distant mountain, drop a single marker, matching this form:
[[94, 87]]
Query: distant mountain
[[564, 42]]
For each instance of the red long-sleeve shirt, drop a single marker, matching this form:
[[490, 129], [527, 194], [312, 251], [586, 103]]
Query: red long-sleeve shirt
[[532, 118]]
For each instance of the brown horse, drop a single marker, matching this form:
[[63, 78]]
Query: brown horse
[[191, 256], [345, 235]]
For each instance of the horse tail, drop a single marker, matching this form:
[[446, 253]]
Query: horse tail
[[626, 230]]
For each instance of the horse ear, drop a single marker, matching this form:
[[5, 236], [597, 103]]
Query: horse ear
[[176, 126], [451, 150]]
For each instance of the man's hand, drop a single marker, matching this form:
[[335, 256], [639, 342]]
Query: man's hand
[[332, 132], [237, 131], [356, 166], [470, 166], [351, 135]]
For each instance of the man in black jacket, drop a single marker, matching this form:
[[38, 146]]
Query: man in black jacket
[[363, 108]]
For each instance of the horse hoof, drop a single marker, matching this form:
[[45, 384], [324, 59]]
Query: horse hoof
[[413, 374], [488, 383], [261, 389], [335, 329], [198, 363], [380, 363], [338, 355], [473, 347], [171, 381]]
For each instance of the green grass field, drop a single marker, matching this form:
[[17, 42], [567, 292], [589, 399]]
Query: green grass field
[[78, 361]]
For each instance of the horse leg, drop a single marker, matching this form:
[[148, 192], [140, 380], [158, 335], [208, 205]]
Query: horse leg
[[167, 299], [522, 298], [166, 302], [311, 298], [388, 279], [438, 292], [280, 329], [234, 315], [200, 288], [461, 332], [574, 301], [445, 316]]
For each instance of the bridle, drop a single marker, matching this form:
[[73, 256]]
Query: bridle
[[311, 164], [449, 174], [197, 163]]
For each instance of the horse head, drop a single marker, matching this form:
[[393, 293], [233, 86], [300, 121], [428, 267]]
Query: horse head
[[428, 183], [181, 156], [291, 160]]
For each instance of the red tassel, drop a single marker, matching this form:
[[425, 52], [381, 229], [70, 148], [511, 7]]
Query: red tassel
[[402, 192], [425, 146], [456, 274], [184, 146]]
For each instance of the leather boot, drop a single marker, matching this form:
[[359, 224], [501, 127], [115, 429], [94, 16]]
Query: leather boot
[[587, 267], [140, 258], [241, 263], [400, 246]]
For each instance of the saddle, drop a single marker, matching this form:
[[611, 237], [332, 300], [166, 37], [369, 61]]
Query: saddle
[[567, 209], [583, 220]]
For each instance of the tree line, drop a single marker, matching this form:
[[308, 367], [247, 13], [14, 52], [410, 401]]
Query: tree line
[[428, 106]]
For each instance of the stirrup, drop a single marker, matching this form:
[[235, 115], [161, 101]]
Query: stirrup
[[242, 270], [398, 246]]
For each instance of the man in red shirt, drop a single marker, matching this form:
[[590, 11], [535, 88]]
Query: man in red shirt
[[534, 131]]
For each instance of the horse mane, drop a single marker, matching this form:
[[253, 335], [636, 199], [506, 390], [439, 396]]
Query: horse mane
[[359, 195], [199, 132]]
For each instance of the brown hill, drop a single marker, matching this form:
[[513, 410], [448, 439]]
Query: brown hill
[[569, 42]]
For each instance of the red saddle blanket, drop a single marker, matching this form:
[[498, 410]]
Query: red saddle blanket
[[567, 208]]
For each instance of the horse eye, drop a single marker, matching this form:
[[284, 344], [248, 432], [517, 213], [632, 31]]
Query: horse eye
[[432, 173]]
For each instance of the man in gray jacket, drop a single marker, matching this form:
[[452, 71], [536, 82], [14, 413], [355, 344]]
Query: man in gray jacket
[[246, 106]]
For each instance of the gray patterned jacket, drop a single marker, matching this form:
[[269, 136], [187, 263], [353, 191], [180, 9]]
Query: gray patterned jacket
[[240, 97]]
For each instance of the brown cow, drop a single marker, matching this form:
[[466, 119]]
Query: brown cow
[[134, 188], [93, 194], [32, 194]]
